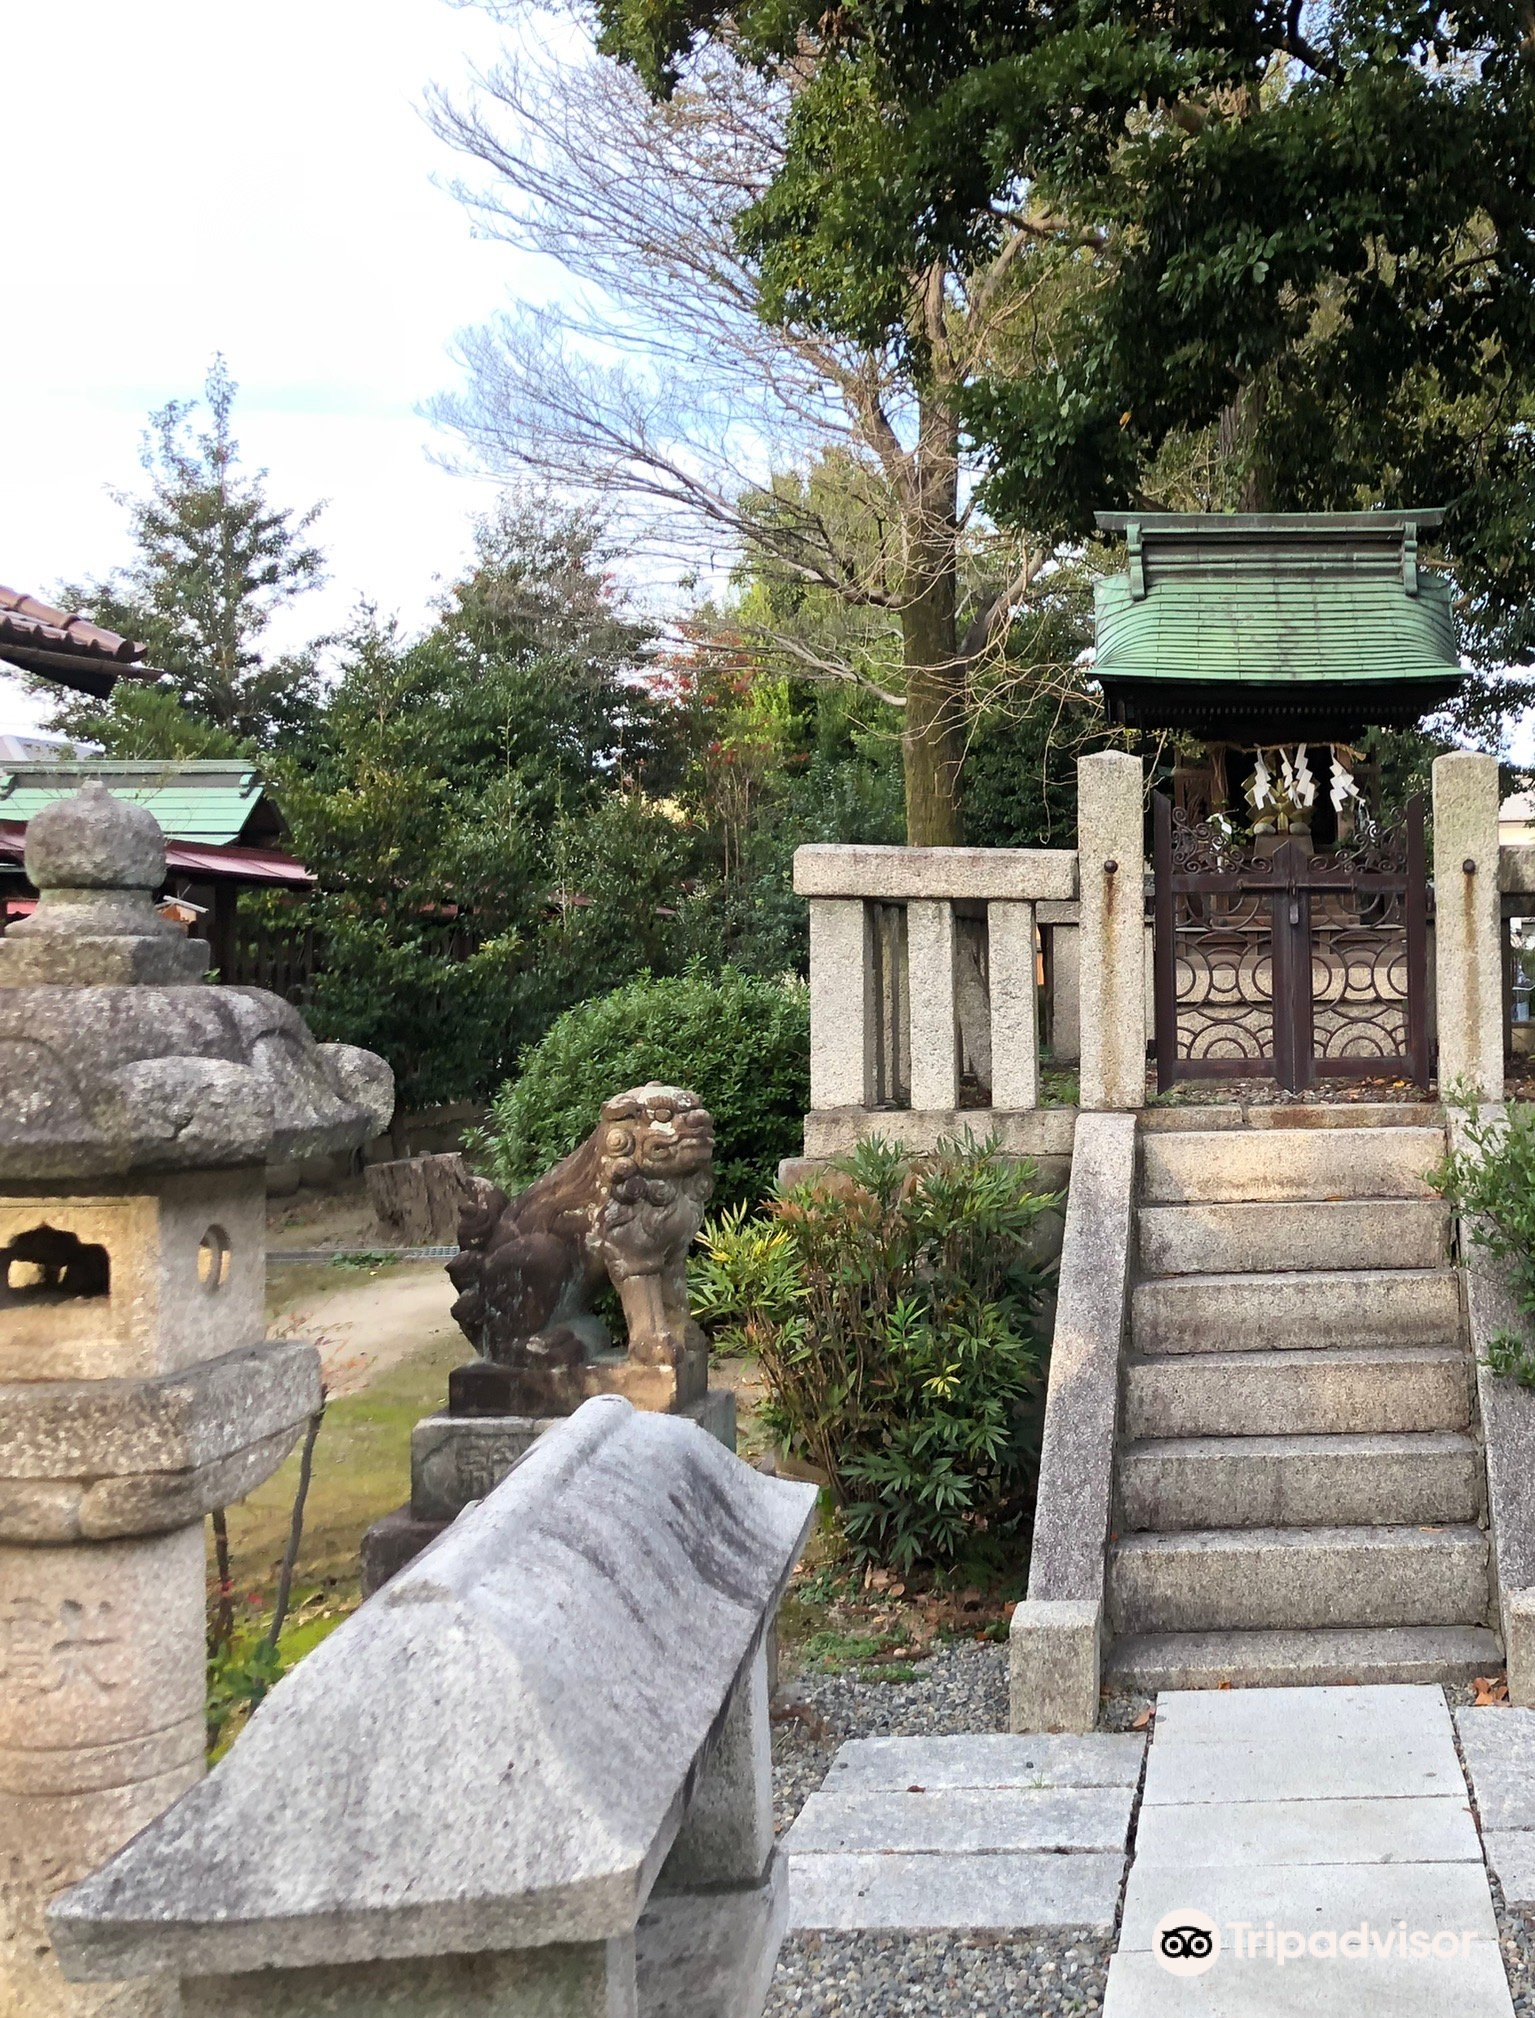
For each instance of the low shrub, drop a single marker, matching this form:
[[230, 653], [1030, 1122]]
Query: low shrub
[[742, 1044], [895, 1310], [1492, 1186]]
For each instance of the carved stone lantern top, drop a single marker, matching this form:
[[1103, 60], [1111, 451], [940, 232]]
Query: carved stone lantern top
[[116, 1056]]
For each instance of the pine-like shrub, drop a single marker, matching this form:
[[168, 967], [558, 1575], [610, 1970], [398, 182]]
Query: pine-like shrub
[[741, 1043], [895, 1310]]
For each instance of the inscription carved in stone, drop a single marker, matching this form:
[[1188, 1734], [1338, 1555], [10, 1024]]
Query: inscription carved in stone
[[45, 1648]]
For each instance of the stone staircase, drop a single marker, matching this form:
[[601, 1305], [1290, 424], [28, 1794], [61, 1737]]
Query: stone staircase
[[1299, 1492]]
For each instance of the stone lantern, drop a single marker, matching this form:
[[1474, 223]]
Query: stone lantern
[[138, 1109]]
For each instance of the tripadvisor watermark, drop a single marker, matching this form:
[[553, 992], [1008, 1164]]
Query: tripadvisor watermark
[[1189, 1942]]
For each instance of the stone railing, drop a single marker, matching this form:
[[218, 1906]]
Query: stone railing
[[531, 1776], [936, 973], [923, 971]]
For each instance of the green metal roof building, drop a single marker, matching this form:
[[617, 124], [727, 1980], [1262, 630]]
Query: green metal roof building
[[212, 801], [1274, 627]]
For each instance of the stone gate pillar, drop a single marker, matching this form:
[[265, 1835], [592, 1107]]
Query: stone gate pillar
[[1468, 927], [1112, 950], [138, 1109]]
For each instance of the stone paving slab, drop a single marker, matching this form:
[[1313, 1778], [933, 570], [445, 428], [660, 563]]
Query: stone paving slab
[[1469, 1987], [1414, 1830], [1438, 1898], [1511, 1859], [1008, 1890], [989, 1831], [972, 1819], [1289, 1767], [988, 1759], [1227, 1716], [1309, 1813], [1499, 1745]]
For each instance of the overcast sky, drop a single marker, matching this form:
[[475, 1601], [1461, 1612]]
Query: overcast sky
[[188, 176]]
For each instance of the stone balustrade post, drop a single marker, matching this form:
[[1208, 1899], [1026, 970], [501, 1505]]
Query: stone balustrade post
[[1112, 941], [1011, 961], [930, 954], [138, 1391], [1468, 929], [842, 1003]]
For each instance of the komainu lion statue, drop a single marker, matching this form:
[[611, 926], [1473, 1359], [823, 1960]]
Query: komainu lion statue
[[623, 1209]]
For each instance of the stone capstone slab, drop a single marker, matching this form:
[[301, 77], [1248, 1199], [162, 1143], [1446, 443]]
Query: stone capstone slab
[[93, 1459], [887, 874], [494, 1752]]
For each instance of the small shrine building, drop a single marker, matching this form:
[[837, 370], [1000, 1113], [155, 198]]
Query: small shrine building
[[1274, 640]]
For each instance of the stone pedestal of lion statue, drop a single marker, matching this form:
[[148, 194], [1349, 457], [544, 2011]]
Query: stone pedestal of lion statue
[[619, 1213]]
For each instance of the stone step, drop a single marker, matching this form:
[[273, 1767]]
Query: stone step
[[1364, 1391], [1280, 1312], [1261, 1579], [1224, 1166], [1321, 1658], [1178, 1483], [1314, 1233]]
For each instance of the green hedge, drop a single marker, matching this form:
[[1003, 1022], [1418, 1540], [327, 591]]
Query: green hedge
[[740, 1043]]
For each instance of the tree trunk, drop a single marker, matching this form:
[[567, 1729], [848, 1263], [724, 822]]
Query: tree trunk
[[933, 745]]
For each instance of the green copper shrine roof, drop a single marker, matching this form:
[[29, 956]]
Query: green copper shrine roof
[[1221, 620], [209, 800]]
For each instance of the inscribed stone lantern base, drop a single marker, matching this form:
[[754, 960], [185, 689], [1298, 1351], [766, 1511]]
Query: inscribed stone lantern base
[[138, 1109]]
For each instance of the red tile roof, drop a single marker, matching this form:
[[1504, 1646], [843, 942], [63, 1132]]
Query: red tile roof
[[65, 646], [30, 621], [198, 860]]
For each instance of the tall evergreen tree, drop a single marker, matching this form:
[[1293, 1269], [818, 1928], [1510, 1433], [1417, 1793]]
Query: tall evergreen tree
[[214, 561]]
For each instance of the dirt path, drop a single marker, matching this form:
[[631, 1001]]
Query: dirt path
[[365, 1320]]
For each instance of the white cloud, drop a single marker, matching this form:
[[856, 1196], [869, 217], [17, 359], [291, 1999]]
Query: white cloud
[[186, 178]]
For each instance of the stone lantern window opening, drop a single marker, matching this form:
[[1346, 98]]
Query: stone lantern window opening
[[46, 1264], [213, 1259]]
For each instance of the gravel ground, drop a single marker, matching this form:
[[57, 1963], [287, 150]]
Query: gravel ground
[[1516, 1937], [940, 1975], [949, 1975]]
